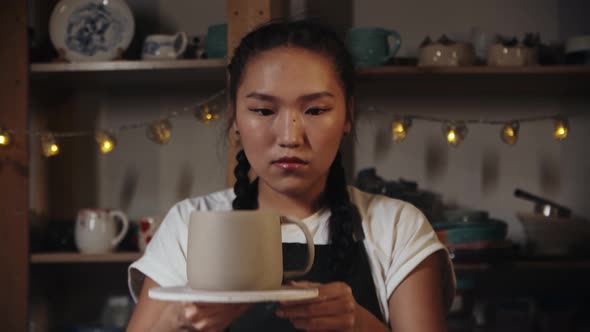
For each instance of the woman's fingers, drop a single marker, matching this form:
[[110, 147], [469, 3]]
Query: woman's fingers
[[336, 306], [335, 323], [213, 317], [194, 312]]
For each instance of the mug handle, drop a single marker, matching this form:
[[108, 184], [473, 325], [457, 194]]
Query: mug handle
[[123, 232], [310, 250], [183, 43], [398, 43]]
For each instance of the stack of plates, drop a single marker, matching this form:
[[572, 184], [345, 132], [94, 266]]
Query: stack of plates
[[472, 234]]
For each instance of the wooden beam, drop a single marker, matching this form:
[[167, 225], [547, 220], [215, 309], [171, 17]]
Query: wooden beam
[[14, 167], [242, 17]]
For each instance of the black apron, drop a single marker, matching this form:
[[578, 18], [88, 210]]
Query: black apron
[[262, 317]]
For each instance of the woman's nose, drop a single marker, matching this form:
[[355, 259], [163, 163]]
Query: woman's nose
[[290, 130]]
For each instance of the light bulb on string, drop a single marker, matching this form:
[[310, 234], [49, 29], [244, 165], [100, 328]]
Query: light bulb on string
[[561, 128], [455, 132], [160, 131], [207, 114], [5, 138], [106, 141], [399, 129], [509, 133], [49, 145]]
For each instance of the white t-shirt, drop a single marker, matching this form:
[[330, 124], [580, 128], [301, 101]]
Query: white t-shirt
[[397, 238]]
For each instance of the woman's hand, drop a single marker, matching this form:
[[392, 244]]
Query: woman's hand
[[334, 309], [213, 317]]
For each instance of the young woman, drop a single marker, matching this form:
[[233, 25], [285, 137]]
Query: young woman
[[378, 266]]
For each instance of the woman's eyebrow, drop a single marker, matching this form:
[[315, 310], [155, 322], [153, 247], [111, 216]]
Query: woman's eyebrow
[[316, 95], [262, 96], [274, 99]]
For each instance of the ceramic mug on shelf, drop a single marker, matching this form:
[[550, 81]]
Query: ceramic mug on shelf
[[164, 47], [372, 46], [216, 44], [96, 230], [239, 250], [147, 228]]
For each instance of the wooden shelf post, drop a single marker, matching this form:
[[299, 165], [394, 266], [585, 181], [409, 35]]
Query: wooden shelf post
[[243, 16], [14, 167]]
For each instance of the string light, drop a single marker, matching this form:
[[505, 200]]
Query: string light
[[49, 146], [106, 141], [160, 131], [455, 133], [509, 133], [206, 114], [399, 129], [561, 128], [208, 111], [5, 138]]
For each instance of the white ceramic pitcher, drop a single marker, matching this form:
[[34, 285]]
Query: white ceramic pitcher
[[96, 230]]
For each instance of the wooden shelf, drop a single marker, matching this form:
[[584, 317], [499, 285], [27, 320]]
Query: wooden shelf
[[533, 264], [170, 74], [123, 65], [399, 80], [473, 70], [72, 257], [544, 81]]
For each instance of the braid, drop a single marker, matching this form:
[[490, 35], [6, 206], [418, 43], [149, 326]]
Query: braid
[[343, 219], [246, 192]]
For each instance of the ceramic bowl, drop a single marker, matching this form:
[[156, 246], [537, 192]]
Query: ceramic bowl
[[91, 30], [555, 236], [517, 56], [481, 231], [438, 54], [464, 215]]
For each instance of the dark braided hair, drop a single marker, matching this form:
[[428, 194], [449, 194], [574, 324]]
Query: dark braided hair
[[313, 36], [246, 192]]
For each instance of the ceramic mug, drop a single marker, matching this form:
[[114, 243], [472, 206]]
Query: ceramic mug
[[147, 228], [240, 250], [216, 45], [164, 47], [96, 230], [372, 46]]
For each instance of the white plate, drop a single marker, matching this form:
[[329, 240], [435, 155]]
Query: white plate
[[186, 294], [91, 30]]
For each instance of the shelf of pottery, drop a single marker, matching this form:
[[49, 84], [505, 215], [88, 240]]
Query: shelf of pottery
[[91, 46]]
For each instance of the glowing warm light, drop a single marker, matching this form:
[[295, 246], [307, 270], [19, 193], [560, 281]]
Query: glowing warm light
[[451, 136], [207, 114], [399, 129], [5, 138], [455, 133], [49, 146], [509, 133], [561, 129], [106, 141]]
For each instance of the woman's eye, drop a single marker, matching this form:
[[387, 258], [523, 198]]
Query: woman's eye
[[316, 111], [262, 111]]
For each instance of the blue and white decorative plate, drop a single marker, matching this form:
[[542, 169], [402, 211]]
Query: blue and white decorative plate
[[91, 30]]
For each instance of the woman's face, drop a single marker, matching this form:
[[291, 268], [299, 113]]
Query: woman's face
[[291, 115]]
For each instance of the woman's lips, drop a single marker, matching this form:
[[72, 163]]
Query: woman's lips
[[290, 163]]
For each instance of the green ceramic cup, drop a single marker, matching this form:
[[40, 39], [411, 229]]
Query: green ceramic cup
[[216, 41], [371, 46]]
